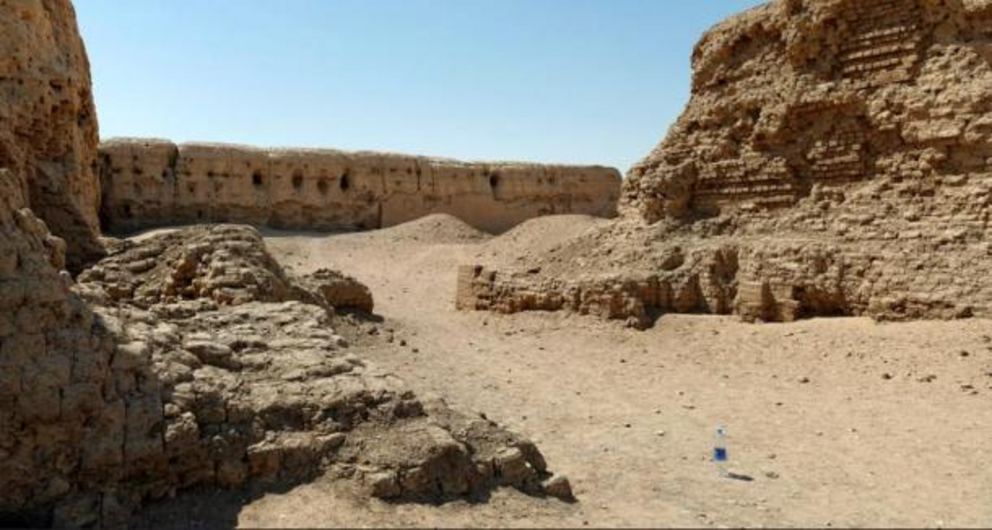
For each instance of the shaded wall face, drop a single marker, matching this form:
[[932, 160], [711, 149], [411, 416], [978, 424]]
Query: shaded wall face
[[48, 130], [153, 183], [55, 395]]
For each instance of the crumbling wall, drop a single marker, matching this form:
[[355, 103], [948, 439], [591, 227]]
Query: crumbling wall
[[193, 359], [798, 95], [48, 130], [154, 183], [758, 279], [841, 148], [53, 356]]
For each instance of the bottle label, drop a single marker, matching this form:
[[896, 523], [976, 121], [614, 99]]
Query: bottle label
[[720, 454]]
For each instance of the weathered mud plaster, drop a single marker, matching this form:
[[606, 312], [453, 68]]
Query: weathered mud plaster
[[151, 183]]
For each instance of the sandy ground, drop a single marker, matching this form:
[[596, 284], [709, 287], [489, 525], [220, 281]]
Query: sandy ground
[[836, 422]]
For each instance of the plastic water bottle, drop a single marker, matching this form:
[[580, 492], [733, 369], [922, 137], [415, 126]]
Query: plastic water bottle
[[720, 455]]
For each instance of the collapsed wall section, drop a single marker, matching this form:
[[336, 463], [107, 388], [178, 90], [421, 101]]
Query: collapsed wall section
[[842, 147], [151, 183]]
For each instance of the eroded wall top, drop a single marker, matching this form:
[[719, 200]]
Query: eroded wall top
[[155, 182]]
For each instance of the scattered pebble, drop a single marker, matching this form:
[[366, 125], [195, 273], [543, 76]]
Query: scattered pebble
[[888, 377], [804, 380], [772, 475], [660, 434]]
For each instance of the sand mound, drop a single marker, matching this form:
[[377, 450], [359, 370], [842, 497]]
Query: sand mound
[[539, 237], [442, 229]]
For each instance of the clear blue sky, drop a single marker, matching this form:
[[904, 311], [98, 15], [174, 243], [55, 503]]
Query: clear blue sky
[[577, 81]]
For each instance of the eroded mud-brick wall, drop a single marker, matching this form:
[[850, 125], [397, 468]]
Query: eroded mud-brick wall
[[48, 129], [153, 183], [835, 159], [799, 95]]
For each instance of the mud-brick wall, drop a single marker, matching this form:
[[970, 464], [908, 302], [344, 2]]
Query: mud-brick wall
[[150, 183]]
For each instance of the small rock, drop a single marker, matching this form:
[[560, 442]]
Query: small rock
[[887, 376], [340, 341], [804, 380], [772, 475], [560, 488], [403, 343], [213, 354], [660, 434], [383, 485]]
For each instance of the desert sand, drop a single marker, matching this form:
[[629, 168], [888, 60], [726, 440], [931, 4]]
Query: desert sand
[[832, 422]]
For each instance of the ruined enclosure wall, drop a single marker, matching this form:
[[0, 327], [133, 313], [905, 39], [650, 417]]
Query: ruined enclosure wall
[[53, 359], [839, 150], [48, 130], [798, 96], [153, 183]]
